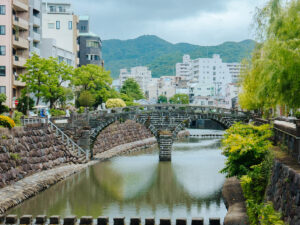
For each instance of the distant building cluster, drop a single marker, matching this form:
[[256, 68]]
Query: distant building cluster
[[207, 81], [48, 28]]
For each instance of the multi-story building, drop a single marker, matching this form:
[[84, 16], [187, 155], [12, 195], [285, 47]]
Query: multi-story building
[[90, 45], [140, 74], [14, 47], [234, 70], [35, 29], [59, 31]]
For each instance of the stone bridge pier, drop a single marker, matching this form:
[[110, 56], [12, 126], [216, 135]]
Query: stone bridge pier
[[165, 143]]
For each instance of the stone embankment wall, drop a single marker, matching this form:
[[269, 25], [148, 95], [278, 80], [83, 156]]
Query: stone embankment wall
[[284, 192], [120, 133], [27, 150]]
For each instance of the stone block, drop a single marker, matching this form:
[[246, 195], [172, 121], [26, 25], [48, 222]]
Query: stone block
[[165, 221], [70, 220], [87, 220], [119, 221], [2, 218], [181, 221], [197, 221], [214, 221], [54, 220], [135, 221], [11, 219], [26, 219], [102, 220], [149, 221], [40, 219]]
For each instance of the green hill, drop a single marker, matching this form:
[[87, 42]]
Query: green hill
[[161, 56]]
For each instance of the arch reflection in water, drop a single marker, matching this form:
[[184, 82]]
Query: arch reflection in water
[[139, 185]]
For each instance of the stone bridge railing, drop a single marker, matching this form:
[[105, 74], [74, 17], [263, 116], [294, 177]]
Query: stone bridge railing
[[88, 220]]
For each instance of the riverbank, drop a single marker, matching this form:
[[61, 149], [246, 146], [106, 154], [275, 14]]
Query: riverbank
[[28, 187]]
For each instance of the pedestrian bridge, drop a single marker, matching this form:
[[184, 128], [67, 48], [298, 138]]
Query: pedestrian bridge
[[164, 121]]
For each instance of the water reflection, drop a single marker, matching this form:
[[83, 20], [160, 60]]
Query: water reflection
[[139, 185]]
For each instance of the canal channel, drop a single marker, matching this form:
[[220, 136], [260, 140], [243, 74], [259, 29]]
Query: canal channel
[[138, 185]]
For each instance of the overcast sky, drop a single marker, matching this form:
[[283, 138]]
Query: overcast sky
[[202, 22]]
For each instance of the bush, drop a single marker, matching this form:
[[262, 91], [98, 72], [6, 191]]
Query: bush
[[25, 103], [86, 99], [297, 114], [6, 122], [57, 112], [3, 108], [17, 117], [80, 110], [115, 103]]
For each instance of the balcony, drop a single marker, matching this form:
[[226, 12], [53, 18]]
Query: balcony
[[37, 5], [36, 21], [18, 83], [20, 42], [19, 61], [36, 50], [36, 37], [20, 5], [21, 23]]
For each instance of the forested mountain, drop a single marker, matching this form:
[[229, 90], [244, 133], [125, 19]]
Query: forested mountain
[[161, 56]]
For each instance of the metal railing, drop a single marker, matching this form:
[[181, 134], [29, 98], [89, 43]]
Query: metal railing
[[65, 138], [69, 141]]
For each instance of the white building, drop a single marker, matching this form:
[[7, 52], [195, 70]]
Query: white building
[[140, 74], [59, 31], [35, 26], [207, 77]]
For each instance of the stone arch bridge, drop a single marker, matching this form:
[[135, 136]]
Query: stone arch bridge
[[164, 121]]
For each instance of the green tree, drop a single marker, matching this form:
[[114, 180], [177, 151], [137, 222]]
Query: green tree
[[25, 103], [162, 99], [3, 108], [45, 78], [96, 80], [273, 77], [132, 89], [86, 99], [179, 99]]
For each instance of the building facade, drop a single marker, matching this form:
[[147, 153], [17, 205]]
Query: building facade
[[14, 47], [90, 45], [141, 74], [35, 26], [59, 31]]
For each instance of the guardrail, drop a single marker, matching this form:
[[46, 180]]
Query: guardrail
[[32, 120]]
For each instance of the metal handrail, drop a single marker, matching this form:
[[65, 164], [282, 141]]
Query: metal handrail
[[67, 139]]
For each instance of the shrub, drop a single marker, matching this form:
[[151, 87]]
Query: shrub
[[7, 122], [3, 108], [81, 109], [297, 114], [57, 112], [115, 103], [17, 117], [86, 99]]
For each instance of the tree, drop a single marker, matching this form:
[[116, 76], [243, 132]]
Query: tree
[[273, 76], [132, 89], [115, 103], [3, 108], [96, 80], [162, 99], [46, 78], [25, 103], [86, 99], [179, 99]]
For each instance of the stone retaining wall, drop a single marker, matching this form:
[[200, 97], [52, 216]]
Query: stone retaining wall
[[120, 133], [284, 192], [27, 150]]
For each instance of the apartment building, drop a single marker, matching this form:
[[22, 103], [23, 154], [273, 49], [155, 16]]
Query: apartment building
[[140, 74], [59, 31], [14, 47], [35, 26], [90, 44]]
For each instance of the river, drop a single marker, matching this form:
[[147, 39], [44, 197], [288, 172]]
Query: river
[[139, 185]]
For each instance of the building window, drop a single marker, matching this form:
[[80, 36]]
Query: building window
[[50, 25], [3, 90], [60, 59], [70, 25], [93, 44], [2, 10], [2, 29], [2, 50], [2, 71], [57, 25], [52, 8]]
